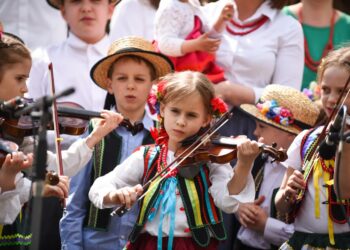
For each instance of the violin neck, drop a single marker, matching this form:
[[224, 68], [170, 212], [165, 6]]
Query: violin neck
[[78, 113]]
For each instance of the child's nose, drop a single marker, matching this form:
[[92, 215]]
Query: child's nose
[[180, 121]]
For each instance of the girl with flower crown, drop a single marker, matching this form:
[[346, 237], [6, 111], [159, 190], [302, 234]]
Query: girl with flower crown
[[178, 212]]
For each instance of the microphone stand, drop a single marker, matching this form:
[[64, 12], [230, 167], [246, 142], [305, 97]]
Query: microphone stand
[[38, 173], [40, 111]]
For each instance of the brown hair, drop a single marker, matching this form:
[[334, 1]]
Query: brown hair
[[278, 4], [339, 58], [134, 58], [182, 84], [12, 50]]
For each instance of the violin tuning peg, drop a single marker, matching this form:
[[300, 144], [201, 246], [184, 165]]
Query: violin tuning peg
[[274, 145]]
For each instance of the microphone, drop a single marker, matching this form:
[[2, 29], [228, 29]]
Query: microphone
[[7, 108], [329, 145]]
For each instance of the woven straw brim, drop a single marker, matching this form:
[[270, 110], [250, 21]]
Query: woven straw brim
[[57, 3], [255, 113], [302, 109], [161, 64]]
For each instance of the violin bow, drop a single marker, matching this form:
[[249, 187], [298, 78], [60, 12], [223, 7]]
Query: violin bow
[[314, 150], [185, 154], [58, 138]]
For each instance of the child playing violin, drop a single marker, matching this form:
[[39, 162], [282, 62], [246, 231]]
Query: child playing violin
[[183, 34], [320, 221], [15, 64], [128, 74], [176, 212], [280, 114]]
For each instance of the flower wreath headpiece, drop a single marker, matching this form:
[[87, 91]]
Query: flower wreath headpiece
[[218, 106], [313, 92], [272, 111]]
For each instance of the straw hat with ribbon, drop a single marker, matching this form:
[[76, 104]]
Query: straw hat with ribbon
[[57, 3], [285, 108], [134, 46]]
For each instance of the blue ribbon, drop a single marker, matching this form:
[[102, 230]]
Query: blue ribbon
[[167, 199]]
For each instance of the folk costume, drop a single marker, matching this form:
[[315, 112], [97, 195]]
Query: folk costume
[[286, 109], [319, 221], [177, 208]]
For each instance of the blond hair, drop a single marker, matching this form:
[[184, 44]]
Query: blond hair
[[338, 58], [183, 84]]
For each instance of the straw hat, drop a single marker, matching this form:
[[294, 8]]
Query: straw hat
[[57, 3], [285, 108], [135, 46]]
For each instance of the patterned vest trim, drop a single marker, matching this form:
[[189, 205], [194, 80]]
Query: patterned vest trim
[[105, 157], [334, 205], [202, 214], [15, 234]]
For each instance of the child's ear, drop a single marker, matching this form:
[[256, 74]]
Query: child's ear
[[109, 86], [110, 10], [207, 121], [161, 109]]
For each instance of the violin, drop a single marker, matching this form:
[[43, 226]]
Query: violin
[[8, 147], [222, 150], [205, 148], [73, 119]]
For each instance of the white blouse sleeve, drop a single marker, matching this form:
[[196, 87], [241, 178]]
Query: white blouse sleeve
[[169, 22], [128, 173], [294, 157], [74, 158], [12, 201], [220, 175]]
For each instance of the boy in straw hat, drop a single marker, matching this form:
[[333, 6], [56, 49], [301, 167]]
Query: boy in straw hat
[[280, 114], [127, 73]]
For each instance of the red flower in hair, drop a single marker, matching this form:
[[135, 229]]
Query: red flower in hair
[[219, 107]]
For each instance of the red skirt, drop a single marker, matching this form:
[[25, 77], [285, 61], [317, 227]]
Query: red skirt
[[146, 241]]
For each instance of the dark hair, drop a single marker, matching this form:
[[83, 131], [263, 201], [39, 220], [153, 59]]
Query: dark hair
[[137, 59], [12, 51], [278, 4]]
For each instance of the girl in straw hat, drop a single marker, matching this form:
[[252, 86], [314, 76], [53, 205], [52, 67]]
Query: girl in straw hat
[[183, 34], [179, 212], [320, 221], [127, 73], [280, 114], [15, 63]]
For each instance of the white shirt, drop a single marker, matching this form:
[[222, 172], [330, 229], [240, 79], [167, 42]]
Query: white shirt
[[34, 21], [133, 18], [276, 232], [130, 173], [72, 61], [74, 159], [174, 21], [274, 53], [306, 220]]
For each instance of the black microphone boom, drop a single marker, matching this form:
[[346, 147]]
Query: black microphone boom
[[329, 145]]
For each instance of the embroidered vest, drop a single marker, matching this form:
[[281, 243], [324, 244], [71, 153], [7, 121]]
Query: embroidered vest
[[203, 216], [335, 205], [17, 235], [106, 157]]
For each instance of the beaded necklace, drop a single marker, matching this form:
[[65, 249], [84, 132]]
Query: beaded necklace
[[253, 25], [162, 162], [309, 62]]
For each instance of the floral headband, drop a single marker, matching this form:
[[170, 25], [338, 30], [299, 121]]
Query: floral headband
[[218, 106], [272, 111], [313, 92]]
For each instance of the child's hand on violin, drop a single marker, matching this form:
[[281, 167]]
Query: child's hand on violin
[[103, 127], [13, 164], [247, 151], [60, 190], [124, 196], [295, 183]]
